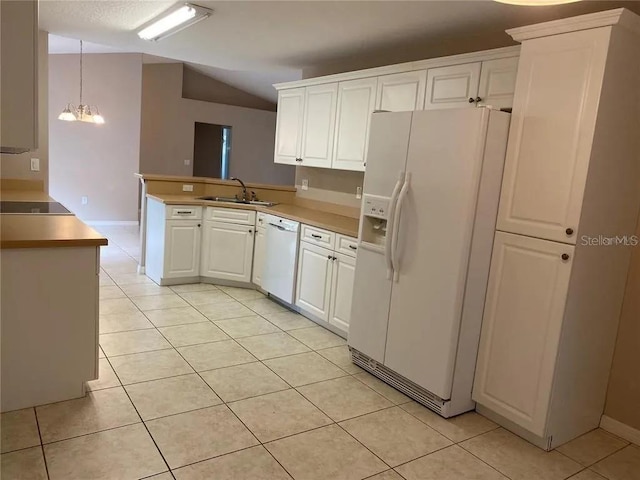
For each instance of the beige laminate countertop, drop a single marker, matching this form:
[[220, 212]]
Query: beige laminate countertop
[[43, 231], [309, 216]]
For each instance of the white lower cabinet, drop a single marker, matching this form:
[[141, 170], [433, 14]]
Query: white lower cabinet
[[521, 328], [344, 268], [258, 256], [313, 287], [324, 287], [227, 251], [182, 249]]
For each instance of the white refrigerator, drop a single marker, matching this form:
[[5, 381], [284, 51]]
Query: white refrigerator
[[431, 192]]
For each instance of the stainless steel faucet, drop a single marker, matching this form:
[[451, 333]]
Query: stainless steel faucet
[[244, 188]]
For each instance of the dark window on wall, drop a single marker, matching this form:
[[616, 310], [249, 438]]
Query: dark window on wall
[[211, 150]]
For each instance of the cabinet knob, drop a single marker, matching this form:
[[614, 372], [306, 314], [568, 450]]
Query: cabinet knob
[[298, 159], [569, 231], [329, 257], [471, 99], [565, 256], [250, 231], [198, 225], [478, 99]]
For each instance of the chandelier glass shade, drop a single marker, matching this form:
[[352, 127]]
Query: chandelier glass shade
[[83, 112]]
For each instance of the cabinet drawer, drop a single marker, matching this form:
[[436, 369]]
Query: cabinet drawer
[[231, 215], [191, 212], [346, 245], [318, 236]]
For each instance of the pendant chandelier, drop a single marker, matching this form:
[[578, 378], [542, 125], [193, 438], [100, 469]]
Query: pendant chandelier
[[82, 112]]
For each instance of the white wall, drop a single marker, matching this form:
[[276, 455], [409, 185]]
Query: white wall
[[97, 161]]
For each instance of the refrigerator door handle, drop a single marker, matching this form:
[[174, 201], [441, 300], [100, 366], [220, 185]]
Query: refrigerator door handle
[[396, 226], [389, 239]]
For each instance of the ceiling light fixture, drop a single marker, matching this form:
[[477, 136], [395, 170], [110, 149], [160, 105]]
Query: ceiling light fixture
[[172, 21], [536, 3], [82, 112]]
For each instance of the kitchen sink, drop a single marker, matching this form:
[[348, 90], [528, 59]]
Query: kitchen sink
[[236, 200]]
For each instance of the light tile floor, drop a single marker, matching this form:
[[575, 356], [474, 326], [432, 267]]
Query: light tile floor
[[205, 382]]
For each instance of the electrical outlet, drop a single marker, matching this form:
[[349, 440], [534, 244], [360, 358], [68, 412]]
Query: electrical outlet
[[187, 162], [358, 192], [187, 188], [305, 184], [35, 164], [84, 200]]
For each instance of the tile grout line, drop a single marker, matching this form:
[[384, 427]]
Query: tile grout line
[[44, 457]]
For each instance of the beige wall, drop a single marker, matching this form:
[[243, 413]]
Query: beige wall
[[97, 161], [19, 166], [332, 186], [623, 396], [168, 131], [197, 86]]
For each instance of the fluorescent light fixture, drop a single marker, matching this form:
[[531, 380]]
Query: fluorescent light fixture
[[172, 21], [536, 3]]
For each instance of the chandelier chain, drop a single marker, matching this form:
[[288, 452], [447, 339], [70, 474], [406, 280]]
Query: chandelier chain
[[80, 72]]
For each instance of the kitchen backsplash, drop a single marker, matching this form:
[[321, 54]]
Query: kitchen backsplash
[[331, 186]]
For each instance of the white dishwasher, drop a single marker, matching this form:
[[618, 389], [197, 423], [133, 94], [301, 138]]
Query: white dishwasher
[[281, 255]]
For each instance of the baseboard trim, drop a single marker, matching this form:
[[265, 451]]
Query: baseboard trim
[[108, 223], [620, 429]]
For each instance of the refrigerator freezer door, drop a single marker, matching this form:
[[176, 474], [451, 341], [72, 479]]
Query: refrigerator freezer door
[[386, 158], [434, 237]]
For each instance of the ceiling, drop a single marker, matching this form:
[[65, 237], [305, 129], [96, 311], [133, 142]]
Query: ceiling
[[253, 44]]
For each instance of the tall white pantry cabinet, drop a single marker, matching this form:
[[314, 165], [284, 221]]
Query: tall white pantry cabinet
[[571, 182]]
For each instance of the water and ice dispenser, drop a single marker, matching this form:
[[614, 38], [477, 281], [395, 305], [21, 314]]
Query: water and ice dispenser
[[375, 214]]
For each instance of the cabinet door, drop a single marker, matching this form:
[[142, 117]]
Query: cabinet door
[[344, 269], [552, 126], [258, 256], [227, 251], [19, 76], [313, 288], [498, 82], [356, 102], [319, 125], [401, 92], [452, 87], [182, 248], [523, 315], [289, 126]]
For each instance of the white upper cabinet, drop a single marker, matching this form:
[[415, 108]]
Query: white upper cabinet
[[344, 269], [498, 82], [289, 126], [227, 251], [19, 76], [401, 92], [319, 125], [182, 249], [521, 328], [313, 289], [452, 87], [559, 80], [356, 102]]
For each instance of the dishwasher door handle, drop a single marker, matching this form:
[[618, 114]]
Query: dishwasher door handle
[[279, 227]]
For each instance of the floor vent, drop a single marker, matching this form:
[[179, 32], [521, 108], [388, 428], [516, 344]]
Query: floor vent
[[398, 382]]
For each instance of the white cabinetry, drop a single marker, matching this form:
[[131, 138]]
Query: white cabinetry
[[553, 302], [319, 125], [356, 102], [313, 288], [400, 92], [19, 76], [325, 276], [259, 250], [289, 126], [452, 87], [227, 246], [173, 242], [498, 82], [529, 282], [182, 248]]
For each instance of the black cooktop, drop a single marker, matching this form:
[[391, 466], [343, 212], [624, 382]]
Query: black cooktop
[[42, 208]]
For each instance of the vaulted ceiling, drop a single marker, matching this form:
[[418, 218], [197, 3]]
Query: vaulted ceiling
[[252, 44]]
